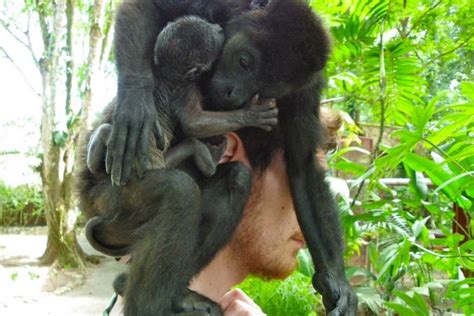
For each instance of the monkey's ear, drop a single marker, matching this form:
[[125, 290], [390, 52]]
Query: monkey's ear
[[193, 74]]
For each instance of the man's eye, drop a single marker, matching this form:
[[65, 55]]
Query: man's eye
[[244, 63]]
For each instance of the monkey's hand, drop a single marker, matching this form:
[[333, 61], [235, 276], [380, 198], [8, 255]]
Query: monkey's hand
[[261, 113], [133, 118], [192, 303], [338, 297]]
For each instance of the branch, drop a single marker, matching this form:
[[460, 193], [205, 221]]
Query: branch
[[7, 56], [28, 37], [43, 24], [383, 105], [422, 16], [27, 44], [7, 28], [449, 51], [333, 100]]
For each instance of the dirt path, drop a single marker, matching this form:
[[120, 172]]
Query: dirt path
[[25, 288]]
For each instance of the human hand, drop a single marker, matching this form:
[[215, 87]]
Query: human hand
[[237, 303]]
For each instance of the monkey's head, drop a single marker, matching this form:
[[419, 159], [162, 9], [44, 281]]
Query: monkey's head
[[187, 47], [271, 52]]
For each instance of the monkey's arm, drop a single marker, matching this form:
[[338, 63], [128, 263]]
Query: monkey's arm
[[196, 122], [315, 207], [138, 23]]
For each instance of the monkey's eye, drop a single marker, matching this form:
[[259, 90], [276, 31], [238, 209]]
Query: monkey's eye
[[244, 62]]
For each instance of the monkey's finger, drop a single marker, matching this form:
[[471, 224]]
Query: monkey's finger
[[130, 151], [254, 99], [272, 112], [108, 156], [341, 307], [268, 102], [266, 128], [160, 139], [143, 149], [262, 107], [268, 122], [116, 150]]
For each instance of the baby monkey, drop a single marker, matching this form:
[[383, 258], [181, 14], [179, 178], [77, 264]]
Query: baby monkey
[[184, 50]]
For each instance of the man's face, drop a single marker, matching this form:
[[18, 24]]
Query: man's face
[[268, 237]]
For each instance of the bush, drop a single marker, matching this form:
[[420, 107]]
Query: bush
[[292, 296], [21, 206]]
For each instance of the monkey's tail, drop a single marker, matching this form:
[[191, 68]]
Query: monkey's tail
[[93, 225]]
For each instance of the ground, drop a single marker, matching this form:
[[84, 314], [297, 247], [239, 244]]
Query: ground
[[26, 289]]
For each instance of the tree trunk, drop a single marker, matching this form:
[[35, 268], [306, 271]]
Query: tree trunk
[[93, 59], [61, 245]]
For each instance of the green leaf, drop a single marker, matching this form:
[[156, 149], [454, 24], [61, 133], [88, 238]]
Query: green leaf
[[400, 309], [418, 226], [439, 176], [349, 166], [370, 297], [415, 303], [467, 89]]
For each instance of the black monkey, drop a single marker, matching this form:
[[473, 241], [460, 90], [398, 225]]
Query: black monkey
[[138, 23], [279, 53]]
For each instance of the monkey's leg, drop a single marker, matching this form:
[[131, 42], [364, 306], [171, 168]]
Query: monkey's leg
[[205, 160], [224, 197], [128, 208], [223, 206], [97, 147], [165, 247]]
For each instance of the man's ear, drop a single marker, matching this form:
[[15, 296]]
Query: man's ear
[[193, 74], [235, 150]]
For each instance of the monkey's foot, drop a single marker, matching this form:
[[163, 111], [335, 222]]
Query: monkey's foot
[[338, 297], [216, 146], [195, 304]]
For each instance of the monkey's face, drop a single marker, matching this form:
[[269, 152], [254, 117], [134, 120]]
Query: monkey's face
[[236, 77], [243, 71], [271, 52]]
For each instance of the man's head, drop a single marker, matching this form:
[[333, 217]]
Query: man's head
[[268, 237]]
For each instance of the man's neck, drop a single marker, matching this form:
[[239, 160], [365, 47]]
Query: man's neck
[[219, 276]]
